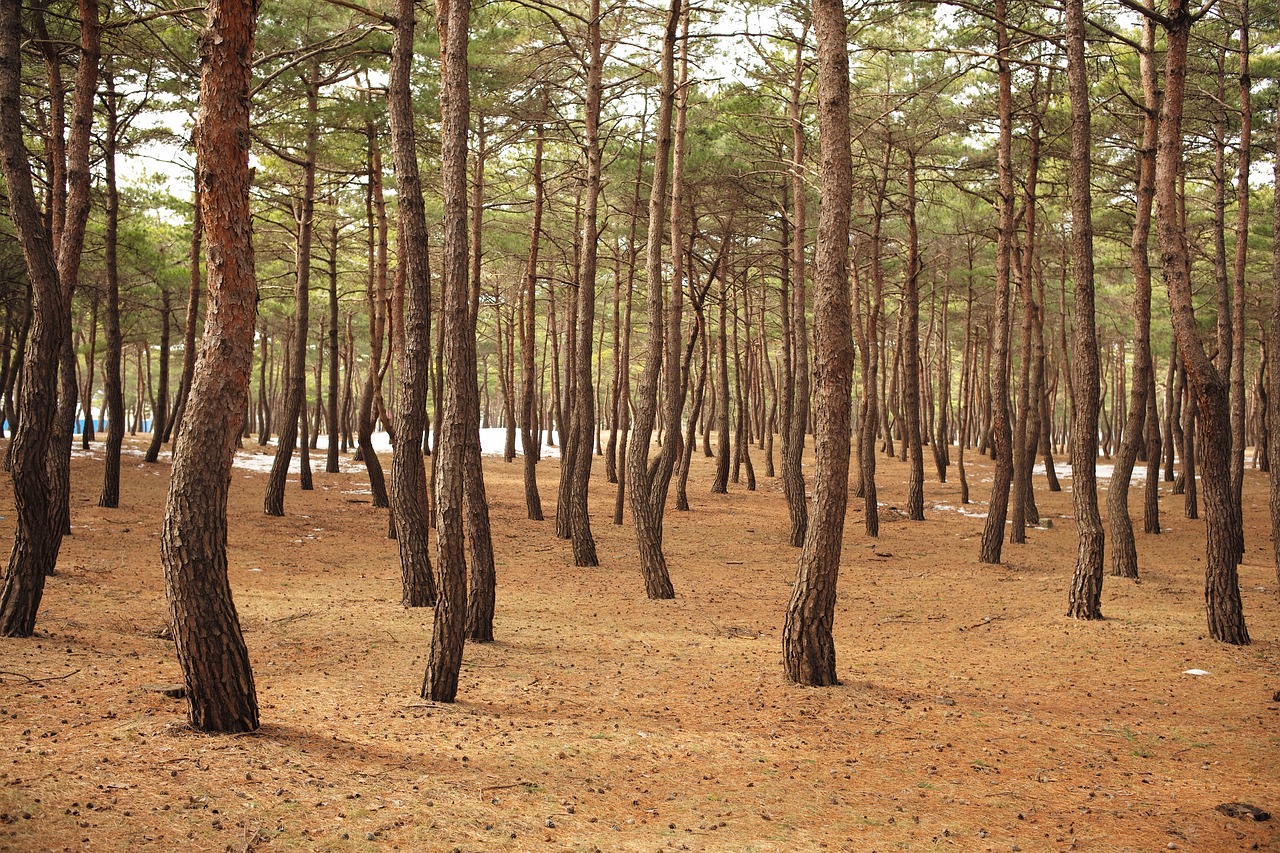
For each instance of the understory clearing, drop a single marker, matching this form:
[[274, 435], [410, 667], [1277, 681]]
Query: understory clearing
[[973, 715]]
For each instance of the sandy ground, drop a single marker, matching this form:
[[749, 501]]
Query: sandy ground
[[972, 716]]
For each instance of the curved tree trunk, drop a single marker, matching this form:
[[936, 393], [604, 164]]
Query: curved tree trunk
[[808, 646], [408, 471], [193, 544], [38, 533], [195, 281], [639, 478], [1209, 386]]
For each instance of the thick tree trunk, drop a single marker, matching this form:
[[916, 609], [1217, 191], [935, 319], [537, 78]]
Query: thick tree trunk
[[37, 535], [642, 488], [193, 540], [584, 406], [1086, 584], [68, 243], [1209, 386], [408, 473], [993, 532], [1024, 442], [458, 389], [808, 646]]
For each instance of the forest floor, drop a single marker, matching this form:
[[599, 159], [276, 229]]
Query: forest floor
[[973, 715]]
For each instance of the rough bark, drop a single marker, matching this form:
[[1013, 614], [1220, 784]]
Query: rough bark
[[993, 531], [1086, 585], [1208, 385], [447, 635], [408, 472], [584, 406], [641, 490], [193, 540], [36, 538], [808, 646]]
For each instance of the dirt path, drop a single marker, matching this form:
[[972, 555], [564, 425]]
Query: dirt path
[[973, 715]]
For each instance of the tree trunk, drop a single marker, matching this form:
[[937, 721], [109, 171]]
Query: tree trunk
[[1237, 401], [441, 681], [1124, 554], [408, 472], [296, 381], [1086, 584], [720, 485], [160, 415], [1273, 371], [584, 414], [37, 535], [376, 292], [480, 602], [86, 392], [193, 540], [71, 229], [533, 502], [113, 386], [911, 353], [1209, 386], [993, 531], [793, 485], [193, 316], [808, 646], [645, 512], [335, 425]]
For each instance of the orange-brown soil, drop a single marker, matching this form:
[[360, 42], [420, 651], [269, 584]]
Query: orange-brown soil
[[973, 714]]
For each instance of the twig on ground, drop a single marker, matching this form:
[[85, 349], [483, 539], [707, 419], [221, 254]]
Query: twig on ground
[[31, 680]]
